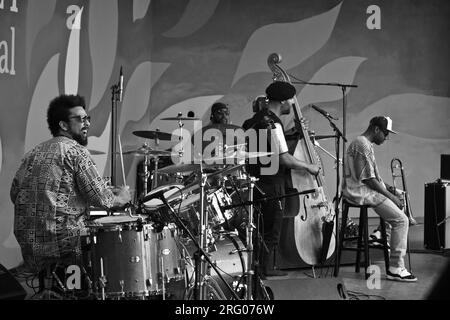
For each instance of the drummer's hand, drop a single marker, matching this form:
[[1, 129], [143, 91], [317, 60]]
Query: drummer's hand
[[122, 196]]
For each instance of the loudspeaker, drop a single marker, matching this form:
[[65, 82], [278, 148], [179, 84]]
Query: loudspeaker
[[307, 289], [445, 166], [10, 288], [437, 216]]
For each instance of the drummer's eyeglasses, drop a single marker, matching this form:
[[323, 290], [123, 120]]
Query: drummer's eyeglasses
[[81, 118]]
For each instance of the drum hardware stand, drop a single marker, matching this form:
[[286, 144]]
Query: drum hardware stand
[[199, 256], [252, 277], [250, 226]]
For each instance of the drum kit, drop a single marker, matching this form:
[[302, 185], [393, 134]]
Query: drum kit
[[182, 240]]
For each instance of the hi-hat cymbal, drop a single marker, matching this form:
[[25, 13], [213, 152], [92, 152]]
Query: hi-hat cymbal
[[96, 152], [153, 135], [180, 118]]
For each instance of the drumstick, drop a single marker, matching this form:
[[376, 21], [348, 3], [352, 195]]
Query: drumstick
[[121, 160]]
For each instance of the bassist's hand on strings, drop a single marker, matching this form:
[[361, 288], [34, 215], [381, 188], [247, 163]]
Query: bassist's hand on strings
[[313, 169]]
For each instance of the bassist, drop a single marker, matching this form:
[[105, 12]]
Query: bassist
[[272, 182]]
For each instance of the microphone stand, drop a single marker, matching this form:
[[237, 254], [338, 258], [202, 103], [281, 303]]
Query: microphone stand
[[337, 197], [115, 98], [344, 129]]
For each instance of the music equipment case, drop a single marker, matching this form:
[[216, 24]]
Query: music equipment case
[[437, 216]]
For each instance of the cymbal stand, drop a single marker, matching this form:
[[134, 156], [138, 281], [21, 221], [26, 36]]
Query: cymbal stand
[[250, 226], [155, 173], [144, 175], [200, 267], [181, 125], [156, 159], [200, 253], [255, 287]]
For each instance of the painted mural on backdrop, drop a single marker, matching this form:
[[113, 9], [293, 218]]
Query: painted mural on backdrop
[[181, 56]]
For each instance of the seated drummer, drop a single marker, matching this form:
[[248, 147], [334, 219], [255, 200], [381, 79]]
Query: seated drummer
[[219, 124], [54, 186]]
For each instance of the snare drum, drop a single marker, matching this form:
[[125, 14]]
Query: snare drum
[[173, 195], [119, 257]]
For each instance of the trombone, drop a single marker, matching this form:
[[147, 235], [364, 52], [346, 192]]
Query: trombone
[[402, 192]]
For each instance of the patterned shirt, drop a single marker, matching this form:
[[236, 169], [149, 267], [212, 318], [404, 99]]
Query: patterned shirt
[[361, 152], [52, 190]]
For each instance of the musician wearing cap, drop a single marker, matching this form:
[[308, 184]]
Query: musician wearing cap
[[276, 104], [363, 185], [54, 186]]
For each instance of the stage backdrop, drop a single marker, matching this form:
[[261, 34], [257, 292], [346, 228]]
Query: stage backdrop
[[183, 55]]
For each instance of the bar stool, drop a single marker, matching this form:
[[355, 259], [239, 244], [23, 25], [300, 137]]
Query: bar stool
[[363, 238]]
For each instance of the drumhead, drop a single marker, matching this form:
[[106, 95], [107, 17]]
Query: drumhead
[[116, 220], [172, 194], [190, 200]]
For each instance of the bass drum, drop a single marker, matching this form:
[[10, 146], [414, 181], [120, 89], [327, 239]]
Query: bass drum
[[229, 255]]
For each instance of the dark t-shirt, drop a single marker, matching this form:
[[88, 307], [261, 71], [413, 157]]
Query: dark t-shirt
[[264, 119]]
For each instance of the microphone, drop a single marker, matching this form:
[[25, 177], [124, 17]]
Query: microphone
[[158, 194], [323, 112], [121, 85]]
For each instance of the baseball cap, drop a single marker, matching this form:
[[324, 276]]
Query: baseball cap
[[280, 91], [384, 123]]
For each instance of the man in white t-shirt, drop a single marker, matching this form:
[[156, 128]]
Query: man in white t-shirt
[[362, 184]]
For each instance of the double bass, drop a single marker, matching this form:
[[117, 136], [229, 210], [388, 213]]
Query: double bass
[[314, 212]]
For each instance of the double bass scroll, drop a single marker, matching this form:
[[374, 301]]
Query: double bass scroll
[[314, 221]]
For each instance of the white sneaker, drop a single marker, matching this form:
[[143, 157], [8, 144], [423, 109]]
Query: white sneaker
[[375, 239], [400, 274]]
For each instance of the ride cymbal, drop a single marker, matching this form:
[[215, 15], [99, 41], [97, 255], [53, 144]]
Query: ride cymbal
[[153, 135]]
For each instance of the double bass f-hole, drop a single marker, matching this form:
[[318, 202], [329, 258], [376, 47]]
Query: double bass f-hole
[[305, 216]]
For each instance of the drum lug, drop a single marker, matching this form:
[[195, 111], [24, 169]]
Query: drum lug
[[135, 259]]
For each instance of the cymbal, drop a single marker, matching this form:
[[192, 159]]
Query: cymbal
[[96, 152], [181, 118], [226, 171], [146, 151], [221, 126], [153, 135], [175, 168], [238, 156]]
